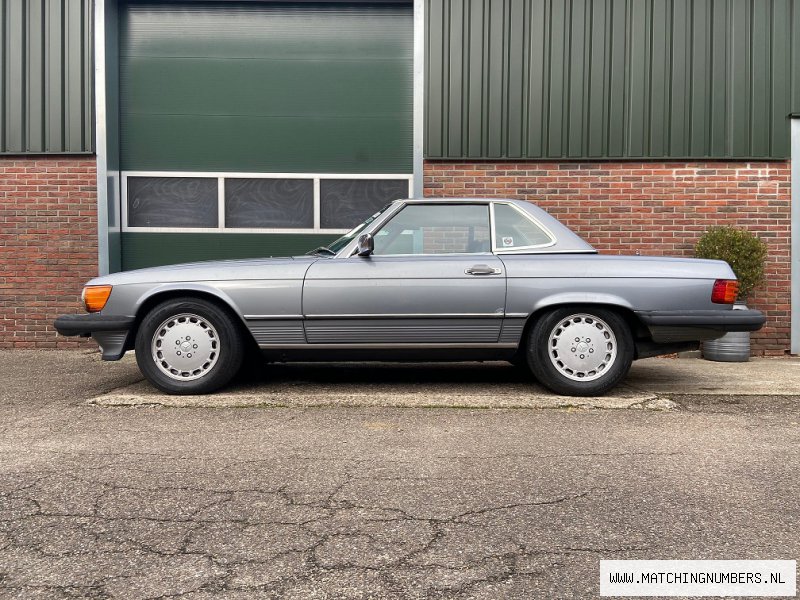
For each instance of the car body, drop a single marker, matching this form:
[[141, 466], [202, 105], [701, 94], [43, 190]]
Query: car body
[[422, 279]]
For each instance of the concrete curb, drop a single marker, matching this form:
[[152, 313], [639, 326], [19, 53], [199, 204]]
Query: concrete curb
[[650, 385], [141, 394]]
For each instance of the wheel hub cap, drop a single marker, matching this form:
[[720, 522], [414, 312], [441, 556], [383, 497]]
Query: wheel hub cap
[[185, 347], [582, 347]]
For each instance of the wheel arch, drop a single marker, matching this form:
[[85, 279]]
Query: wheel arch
[[623, 309], [221, 300]]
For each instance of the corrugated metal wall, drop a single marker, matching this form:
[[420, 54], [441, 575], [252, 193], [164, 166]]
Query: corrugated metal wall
[[46, 76], [611, 78], [506, 78]]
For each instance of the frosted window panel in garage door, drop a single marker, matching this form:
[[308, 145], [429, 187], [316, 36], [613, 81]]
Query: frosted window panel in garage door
[[269, 203], [344, 203], [172, 202]]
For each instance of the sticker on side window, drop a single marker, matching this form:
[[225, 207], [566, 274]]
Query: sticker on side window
[[508, 241]]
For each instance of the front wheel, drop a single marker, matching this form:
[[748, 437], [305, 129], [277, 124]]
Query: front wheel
[[188, 346], [580, 352]]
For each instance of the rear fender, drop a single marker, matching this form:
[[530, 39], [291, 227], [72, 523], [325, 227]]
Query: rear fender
[[577, 299], [573, 298]]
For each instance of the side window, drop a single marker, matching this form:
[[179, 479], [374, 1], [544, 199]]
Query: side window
[[512, 229], [436, 229]]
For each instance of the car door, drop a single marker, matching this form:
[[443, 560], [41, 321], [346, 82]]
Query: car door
[[432, 279]]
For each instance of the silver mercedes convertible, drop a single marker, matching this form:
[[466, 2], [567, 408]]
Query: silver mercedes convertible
[[445, 279]]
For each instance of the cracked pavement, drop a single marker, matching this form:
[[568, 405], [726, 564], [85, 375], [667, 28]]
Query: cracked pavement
[[322, 502]]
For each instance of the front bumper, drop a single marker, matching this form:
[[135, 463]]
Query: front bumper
[[699, 325], [86, 325], [109, 331]]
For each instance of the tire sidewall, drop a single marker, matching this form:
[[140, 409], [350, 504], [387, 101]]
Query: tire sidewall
[[230, 346], [547, 374]]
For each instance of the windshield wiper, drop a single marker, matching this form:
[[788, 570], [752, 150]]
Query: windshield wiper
[[322, 250]]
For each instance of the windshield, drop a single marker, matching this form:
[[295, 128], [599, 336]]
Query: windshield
[[350, 235]]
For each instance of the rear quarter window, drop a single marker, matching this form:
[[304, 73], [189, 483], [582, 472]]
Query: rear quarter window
[[514, 230]]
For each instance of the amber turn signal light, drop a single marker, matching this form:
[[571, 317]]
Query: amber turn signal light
[[725, 291], [95, 297]]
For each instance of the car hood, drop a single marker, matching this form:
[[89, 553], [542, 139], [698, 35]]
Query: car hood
[[215, 270]]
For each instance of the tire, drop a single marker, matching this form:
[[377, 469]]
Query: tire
[[566, 358], [189, 346]]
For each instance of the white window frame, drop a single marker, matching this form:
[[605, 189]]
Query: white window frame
[[222, 176]]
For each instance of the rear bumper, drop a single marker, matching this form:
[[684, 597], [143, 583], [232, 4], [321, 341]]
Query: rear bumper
[[723, 320], [109, 331]]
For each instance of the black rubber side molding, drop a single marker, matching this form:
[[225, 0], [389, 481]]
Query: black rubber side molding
[[85, 325], [725, 320]]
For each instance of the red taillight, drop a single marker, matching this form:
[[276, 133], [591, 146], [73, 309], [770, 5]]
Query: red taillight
[[725, 291]]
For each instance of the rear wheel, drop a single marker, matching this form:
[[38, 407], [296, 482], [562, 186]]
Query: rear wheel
[[580, 351], [188, 346]]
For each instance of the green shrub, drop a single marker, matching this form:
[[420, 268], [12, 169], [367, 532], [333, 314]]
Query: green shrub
[[743, 251]]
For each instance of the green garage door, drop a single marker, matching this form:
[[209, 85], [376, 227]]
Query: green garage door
[[258, 128]]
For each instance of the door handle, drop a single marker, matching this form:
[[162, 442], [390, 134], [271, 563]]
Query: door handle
[[482, 270]]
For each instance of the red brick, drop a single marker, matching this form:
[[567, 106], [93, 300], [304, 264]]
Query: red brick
[[47, 252]]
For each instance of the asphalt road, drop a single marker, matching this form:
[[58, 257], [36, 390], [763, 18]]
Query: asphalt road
[[376, 502]]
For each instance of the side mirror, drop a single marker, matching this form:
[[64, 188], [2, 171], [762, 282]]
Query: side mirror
[[366, 244]]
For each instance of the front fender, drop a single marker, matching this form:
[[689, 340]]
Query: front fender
[[127, 299], [188, 287]]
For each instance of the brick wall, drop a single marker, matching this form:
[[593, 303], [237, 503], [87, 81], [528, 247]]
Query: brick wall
[[48, 246], [655, 208], [48, 214]]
